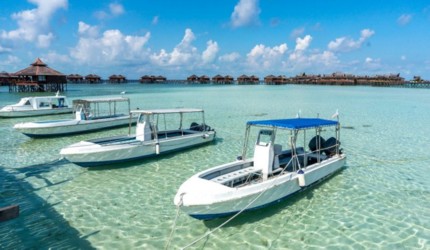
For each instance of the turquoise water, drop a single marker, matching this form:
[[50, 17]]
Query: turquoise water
[[381, 200]]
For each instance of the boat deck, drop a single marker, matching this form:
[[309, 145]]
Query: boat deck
[[132, 139], [241, 175]]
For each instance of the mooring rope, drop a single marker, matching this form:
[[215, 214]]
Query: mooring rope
[[225, 222], [234, 216], [174, 222]]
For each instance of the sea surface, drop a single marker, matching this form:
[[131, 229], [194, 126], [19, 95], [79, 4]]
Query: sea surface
[[380, 200]]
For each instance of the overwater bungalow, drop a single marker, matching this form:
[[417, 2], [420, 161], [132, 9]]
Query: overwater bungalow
[[6, 78], [152, 79], [228, 79], [254, 79], [147, 79], [218, 79], [275, 80], [39, 78], [92, 78], [243, 79], [348, 79], [75, 78], [117, 79], [193, 79], [204, 79], [160, 79]]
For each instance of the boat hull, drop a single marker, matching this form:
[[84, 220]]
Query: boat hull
[[209, 203], [33, 112], [120, 149], [67, 127]]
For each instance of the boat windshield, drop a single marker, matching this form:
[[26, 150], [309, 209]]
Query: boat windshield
[[24, 102]]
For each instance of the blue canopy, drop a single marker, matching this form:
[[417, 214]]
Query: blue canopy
[[296, 123]]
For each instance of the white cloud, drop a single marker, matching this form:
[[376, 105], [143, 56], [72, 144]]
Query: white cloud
[[297, 32], [116, 9], [403, 58], [265, 57], [210, 53], [155, 20], [326, 58], [372, 64], [183, 53], [52, 57], [111, 48], [303, 43], [4, 50], [345, 44], [33, 25], [231, 57], [101, 14], [404, 19], [10, 60], [43, 41], [87, 30], [246, 12]]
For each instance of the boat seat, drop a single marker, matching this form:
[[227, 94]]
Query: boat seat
[[313, 157], [236, 175]]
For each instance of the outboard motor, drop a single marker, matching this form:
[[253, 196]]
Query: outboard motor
[[199, 127], [316, 143], [330, 146]]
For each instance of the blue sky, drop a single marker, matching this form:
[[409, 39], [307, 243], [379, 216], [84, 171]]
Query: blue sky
[[180, 38]]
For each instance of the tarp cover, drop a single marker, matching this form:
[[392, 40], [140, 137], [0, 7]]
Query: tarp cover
[[296, 123]]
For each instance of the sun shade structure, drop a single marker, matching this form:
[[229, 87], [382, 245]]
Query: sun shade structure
[[39, 77], [297, 123]]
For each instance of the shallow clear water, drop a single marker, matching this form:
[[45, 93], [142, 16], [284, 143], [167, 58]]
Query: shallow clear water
[[380, 200]]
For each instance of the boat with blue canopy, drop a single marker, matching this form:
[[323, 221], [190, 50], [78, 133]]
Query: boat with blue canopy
[[284, 162]]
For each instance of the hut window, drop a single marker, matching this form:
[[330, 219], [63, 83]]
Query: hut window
[[42, 78]]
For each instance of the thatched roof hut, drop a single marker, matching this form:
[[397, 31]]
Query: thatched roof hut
[[204, 79], [75, 78], [193, 79], [228, 79], [160, 78], [147, 79], [117, 79], [41, 78], [41, 73], [6, 78], [218, 79], [93, 78]]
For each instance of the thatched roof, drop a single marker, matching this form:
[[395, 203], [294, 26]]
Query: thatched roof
[[92, 76], [4, 74], [38, 68]]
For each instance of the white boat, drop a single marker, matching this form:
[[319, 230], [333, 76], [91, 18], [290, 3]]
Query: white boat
[[271, 175], [90, 115], [37, 105], [148, 139]]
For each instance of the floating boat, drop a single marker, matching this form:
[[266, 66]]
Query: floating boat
[[37, 105], [271, 175], [148, 139], [90, 115]]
